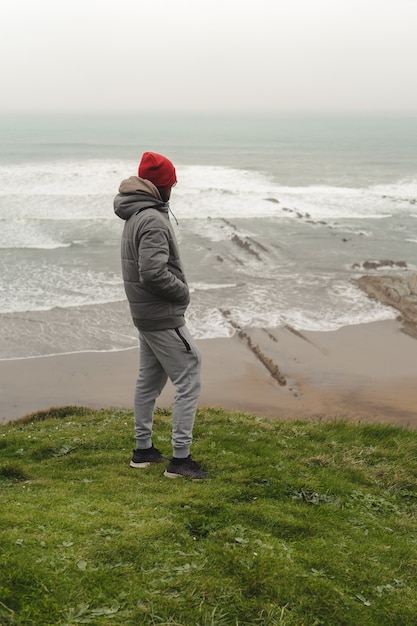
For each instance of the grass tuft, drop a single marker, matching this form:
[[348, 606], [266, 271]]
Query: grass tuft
[[307, 523], [13, 472], [55, 413]]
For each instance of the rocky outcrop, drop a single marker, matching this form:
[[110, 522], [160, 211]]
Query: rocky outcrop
[[267, 362], [398, 291], [376, 265], [245, 245]]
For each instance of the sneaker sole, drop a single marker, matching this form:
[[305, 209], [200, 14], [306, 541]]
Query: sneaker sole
[[173, 475], [140, 465]]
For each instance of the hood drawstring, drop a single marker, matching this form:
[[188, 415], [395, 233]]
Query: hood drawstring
[[169, 209]]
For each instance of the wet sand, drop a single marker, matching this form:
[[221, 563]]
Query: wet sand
[[363, 373]]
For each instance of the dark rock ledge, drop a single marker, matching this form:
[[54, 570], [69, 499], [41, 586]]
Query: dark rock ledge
[[396, 290]]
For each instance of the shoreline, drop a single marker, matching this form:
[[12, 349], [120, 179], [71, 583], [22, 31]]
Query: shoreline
[[365, 372]]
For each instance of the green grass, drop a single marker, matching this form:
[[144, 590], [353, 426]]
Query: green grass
[[303, 523]]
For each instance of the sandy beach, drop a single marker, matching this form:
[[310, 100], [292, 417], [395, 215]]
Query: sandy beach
[[364, 373]]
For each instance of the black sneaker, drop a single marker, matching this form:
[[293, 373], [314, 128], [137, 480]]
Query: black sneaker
[[185, 467], [143, 458]]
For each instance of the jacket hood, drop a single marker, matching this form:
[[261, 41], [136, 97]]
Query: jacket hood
[[135, 195], [134, 184]]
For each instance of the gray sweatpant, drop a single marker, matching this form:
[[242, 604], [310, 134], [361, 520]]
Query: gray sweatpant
[[165, 354]]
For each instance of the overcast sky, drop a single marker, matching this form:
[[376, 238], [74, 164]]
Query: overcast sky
[[208, 55]]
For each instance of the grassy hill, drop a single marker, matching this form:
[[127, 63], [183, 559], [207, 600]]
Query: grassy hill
[[302, 523]]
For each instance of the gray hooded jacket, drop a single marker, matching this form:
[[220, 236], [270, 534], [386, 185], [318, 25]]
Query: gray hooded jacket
[[154, 280]]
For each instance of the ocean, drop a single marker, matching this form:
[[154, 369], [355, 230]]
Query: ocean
[[276, 215]]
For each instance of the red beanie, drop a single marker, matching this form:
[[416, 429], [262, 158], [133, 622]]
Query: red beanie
[[158, 169]]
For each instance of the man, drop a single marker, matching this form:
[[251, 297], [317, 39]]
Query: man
[[158, 296]]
